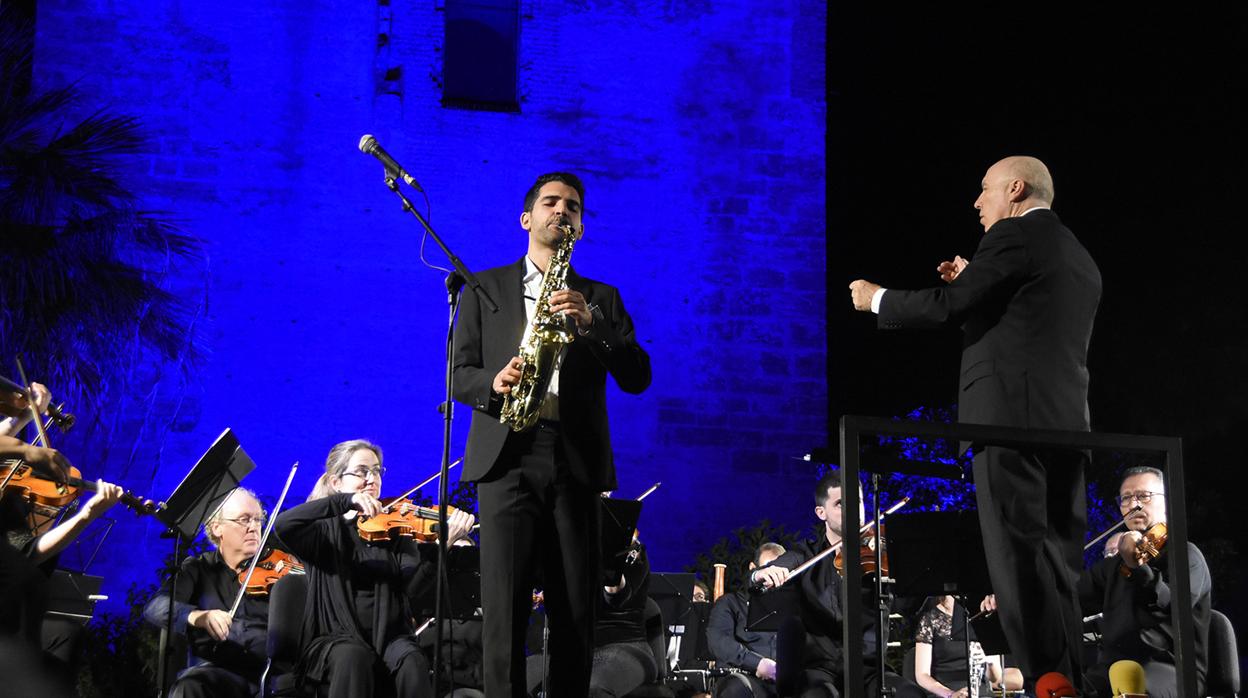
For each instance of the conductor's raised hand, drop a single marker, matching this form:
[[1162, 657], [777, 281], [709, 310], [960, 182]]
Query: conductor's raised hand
[[949, 270], [366, 504], [507, 378], [861, 292]]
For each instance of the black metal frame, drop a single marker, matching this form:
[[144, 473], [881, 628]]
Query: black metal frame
[[853, 427]]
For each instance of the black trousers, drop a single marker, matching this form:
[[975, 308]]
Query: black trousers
[[355, 672], [1033, 514], [535, 518], [208, 681]]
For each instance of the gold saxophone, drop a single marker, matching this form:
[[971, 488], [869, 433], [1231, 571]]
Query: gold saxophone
[[541, 348]]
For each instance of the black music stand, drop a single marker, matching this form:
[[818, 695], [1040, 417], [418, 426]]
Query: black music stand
[[939, 553], [766, 611], [222, 467], [673, 592], [462, 600]]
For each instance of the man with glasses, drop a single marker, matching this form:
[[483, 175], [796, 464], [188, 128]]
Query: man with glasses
[[227, 654], [1135, 597]]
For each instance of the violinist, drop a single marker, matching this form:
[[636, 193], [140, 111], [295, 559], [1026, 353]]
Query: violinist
[[816, 669], [29, 556], [357, 626], [1134, 594], [227, 654], [737, 646]]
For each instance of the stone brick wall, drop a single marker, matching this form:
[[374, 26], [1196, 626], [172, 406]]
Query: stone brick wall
[[698, 128]]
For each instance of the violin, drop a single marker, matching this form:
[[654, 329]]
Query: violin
[[399, 521], [269, 568], [39, 489], [1147, 548], [866, 553]]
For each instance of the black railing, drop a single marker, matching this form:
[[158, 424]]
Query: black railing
[[1170, 448]]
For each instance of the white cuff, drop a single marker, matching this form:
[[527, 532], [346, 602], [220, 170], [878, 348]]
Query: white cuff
[[875, 300]]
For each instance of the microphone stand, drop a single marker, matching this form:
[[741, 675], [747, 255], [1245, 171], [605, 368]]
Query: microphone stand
[[454, 285]]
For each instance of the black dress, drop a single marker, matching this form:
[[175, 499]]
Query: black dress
[[357, 617], [944, 633]]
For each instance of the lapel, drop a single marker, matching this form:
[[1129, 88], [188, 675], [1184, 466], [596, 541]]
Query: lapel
[[514, 303]]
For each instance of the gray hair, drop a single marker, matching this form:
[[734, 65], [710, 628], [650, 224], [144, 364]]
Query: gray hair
[[216, 514]]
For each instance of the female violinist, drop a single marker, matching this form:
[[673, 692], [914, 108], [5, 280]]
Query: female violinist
[[229, 653], [357, 623]]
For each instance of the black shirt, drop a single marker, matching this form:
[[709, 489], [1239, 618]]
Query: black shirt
[[1136, 622], [204, 582], [621, 617]]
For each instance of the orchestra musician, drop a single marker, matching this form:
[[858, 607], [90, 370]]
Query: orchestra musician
[[940, 654], [736, 646], [32, 543], [817, 670], [357, 626], [1135, 597], [228, 654], [538, 488]]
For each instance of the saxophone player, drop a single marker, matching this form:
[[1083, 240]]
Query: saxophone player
[[538, 486]]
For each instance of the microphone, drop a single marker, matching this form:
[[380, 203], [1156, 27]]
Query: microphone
[[369, 145], [1054, 685], [1126, 679]]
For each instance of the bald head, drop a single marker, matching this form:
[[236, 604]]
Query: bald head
[[1011, 186], [1036, 178]]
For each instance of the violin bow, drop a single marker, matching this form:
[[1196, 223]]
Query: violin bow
[[832, 550], [1113, 528], [650, 491], [251, 569], [428, 480], [42, 434]]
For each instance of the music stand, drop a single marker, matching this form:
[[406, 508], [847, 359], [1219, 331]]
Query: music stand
[[767, 611], [72, 595], [463, 591], [673, 592], [939, 553], [222, 467]]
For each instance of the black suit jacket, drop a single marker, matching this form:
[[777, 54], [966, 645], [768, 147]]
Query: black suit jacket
[[1026, 304], [485, 341]]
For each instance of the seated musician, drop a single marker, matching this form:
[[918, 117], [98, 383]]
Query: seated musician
[[357, 628], [940, 655], [623, 659], [736, 646], [28, 555], [1135, 598], [821, 672], [228, 654]]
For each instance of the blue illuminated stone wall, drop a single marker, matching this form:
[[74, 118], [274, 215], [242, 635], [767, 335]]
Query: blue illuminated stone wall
[[698, 128]]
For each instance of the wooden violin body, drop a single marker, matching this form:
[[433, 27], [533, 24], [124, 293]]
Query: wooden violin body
[[1148, 548], [41, 490], [402, 520], [270, 568], [866, 554]]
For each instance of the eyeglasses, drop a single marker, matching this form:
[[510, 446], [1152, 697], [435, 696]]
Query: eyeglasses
[[247, 521], [364, 473], [1142, 497]]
